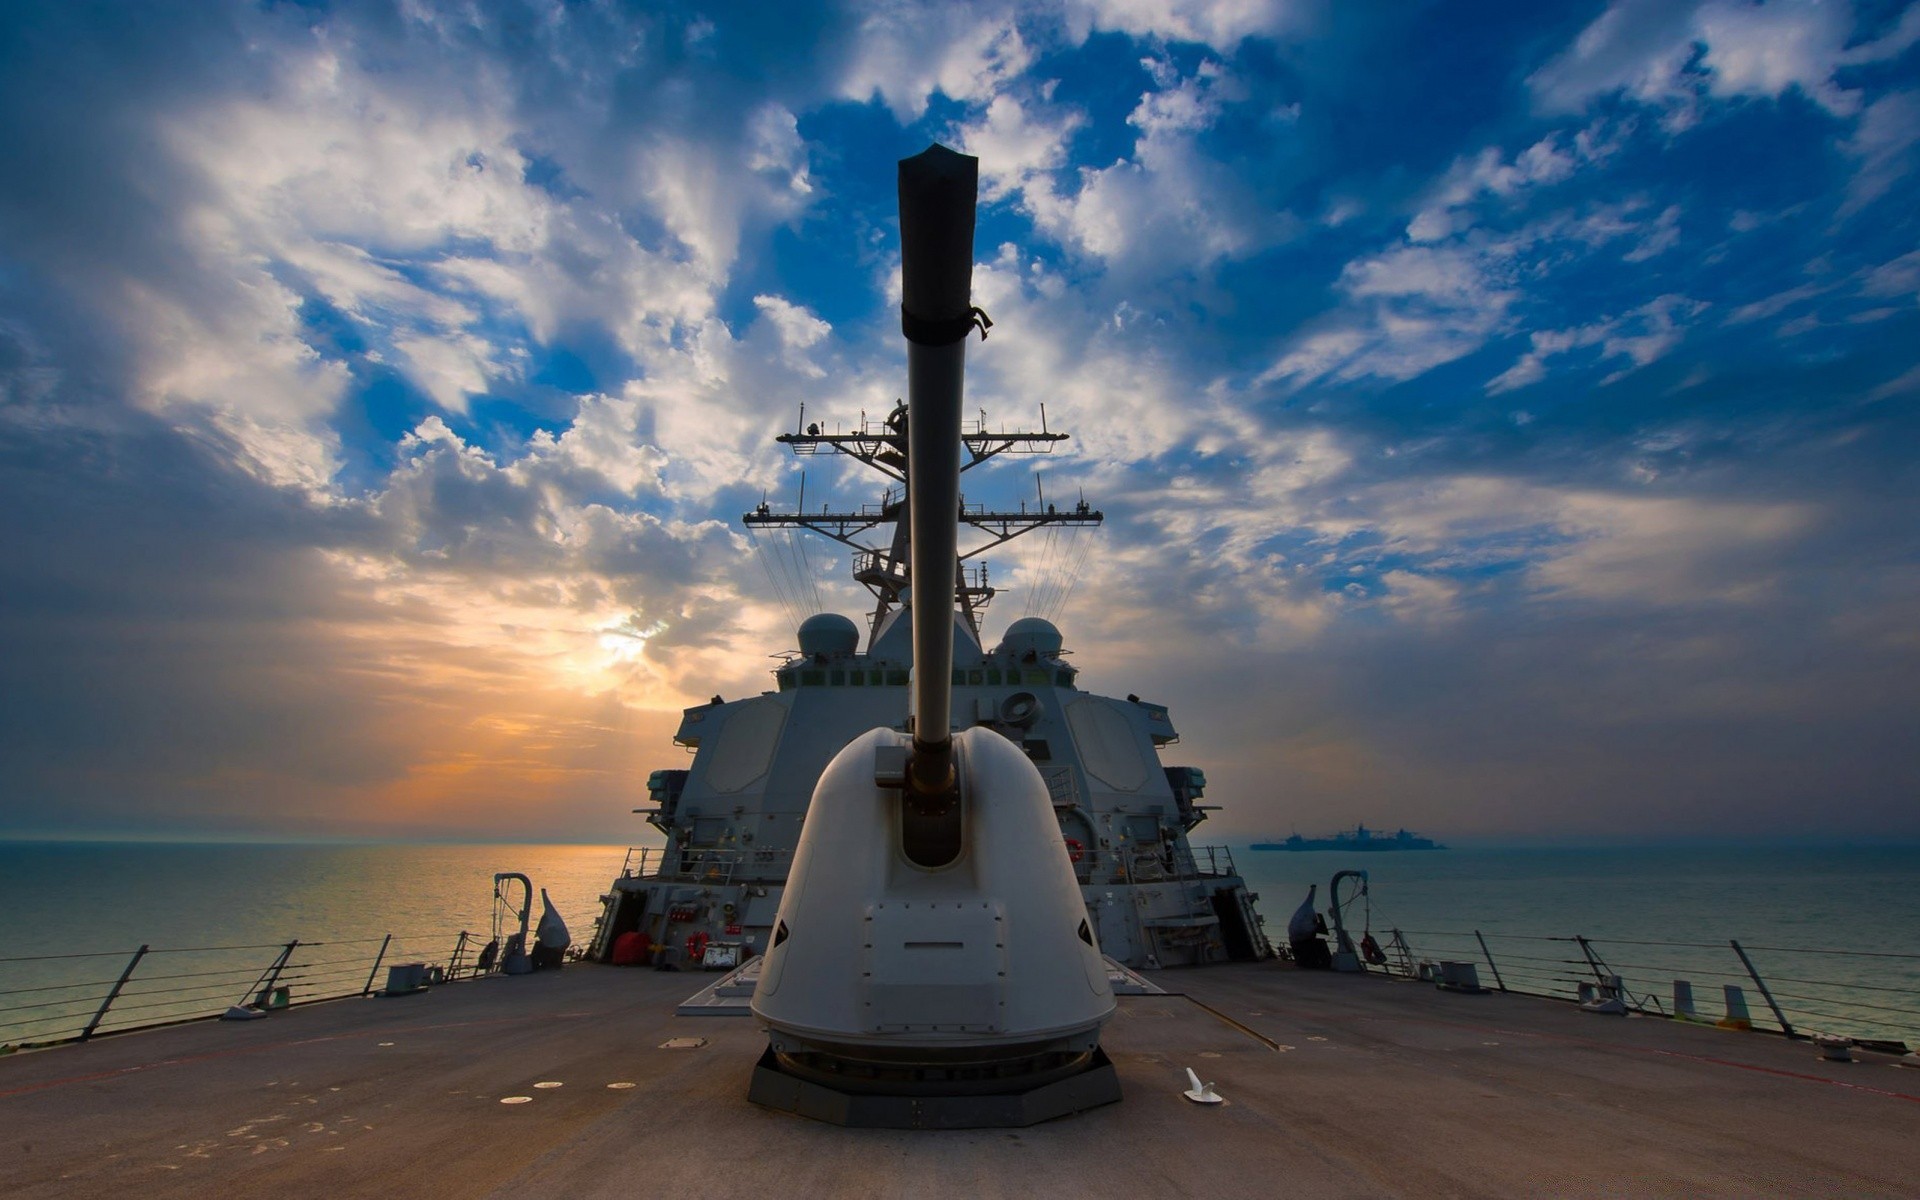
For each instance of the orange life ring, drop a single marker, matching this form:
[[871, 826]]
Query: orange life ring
[[1075, 851]]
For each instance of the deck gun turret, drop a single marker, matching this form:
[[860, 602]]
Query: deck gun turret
[[932, 964]]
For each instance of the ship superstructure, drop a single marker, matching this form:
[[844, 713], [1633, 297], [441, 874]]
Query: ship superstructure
[[733, 816]]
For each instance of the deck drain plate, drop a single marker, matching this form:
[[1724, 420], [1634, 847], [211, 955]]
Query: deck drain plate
[[618, 1087], [516, 1099], [683, 1043], [549, 1083]]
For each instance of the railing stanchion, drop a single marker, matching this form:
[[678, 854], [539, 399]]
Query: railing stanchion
[[263, 987], [1488, 955], [113, 994], [1760, 983], [1593, 964], [377, 960]]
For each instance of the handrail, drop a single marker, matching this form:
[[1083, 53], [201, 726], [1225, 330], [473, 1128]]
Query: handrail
[[1860, 1006], [66, 1010]]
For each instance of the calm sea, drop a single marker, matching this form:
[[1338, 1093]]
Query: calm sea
[[1834, 931]]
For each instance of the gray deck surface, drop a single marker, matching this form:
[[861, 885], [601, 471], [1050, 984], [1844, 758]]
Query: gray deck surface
[[1335, 1086]]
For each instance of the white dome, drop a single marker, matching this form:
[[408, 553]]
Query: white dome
[[830, 634], [1035, 634]]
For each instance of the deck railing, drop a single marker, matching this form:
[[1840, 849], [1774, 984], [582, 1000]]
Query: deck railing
[[713, 864], [730, 864], [1794, 990], [49, 999]]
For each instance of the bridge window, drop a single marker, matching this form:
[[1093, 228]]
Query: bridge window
[[838, 679], [993, 676], [812, 678], [896, 679]]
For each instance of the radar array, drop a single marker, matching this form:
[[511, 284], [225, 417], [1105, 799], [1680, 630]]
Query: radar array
[[883, 569]]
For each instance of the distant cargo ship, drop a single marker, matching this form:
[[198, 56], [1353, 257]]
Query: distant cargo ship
[[1358, 838]]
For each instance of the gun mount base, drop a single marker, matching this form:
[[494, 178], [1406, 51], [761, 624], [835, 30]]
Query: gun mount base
[[904, 1106]]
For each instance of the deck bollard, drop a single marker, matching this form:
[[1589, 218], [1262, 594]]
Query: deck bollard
[[1459, 977], [1609, 996], [1737, 1016]]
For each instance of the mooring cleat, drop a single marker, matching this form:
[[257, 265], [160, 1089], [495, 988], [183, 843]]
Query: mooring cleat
[[1201, 1093]]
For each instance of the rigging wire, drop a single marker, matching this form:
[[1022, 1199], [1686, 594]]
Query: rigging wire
[[1041, 575], [773, 578], [790, 569], [1082, 553], [809, 577]]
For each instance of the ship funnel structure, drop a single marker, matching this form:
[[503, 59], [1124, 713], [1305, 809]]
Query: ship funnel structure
[[932, 964]]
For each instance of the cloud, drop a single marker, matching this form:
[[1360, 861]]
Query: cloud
[[1675, 57], [1641, 336], [907, 51], [1542, 164], [1019, 145], [377, 393], [1883, 142], [1220, 24], [1171, 207]]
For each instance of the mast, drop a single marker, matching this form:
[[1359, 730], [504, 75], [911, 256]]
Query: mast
[[881, 561]]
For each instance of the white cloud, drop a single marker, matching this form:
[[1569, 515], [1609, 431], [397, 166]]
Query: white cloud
[[1883, 142], [1896, 277], [798, 326], [1019, 144], [1221, 24], [1587, 545], [1640, 47], [1774, 305], [1170, 206], [1416, 305], [604, 439], [1673, 56], [1411, 309], [1766, 50], [1906, 383], [777, 149], [907, 51], [450, 367], [1542, 164], [1669, 552], [1662, 236], [1641, 336]]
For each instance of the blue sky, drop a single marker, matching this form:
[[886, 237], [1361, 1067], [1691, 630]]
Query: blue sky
[[1505, 413]]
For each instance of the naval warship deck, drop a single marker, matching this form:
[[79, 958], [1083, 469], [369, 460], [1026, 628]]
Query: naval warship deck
[[1335, 1085]]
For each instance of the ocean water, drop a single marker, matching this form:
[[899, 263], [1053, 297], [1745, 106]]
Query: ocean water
[[1835, 932]]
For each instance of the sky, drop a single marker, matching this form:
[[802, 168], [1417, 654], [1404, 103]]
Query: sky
[[1505, 414]]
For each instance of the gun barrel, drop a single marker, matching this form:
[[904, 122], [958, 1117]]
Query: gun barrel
[[938, 192]]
